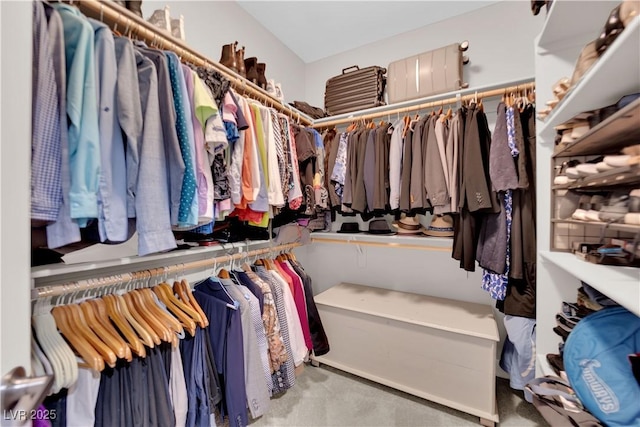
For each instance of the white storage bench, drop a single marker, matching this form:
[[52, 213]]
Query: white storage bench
[[438, 349]]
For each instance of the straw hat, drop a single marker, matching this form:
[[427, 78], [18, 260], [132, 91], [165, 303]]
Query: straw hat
[[408, 225], [441, 226]]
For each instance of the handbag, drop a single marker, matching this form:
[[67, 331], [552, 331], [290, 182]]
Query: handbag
[[557, 403]]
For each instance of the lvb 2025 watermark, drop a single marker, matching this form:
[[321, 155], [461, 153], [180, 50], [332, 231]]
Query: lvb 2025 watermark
[[24, 415]]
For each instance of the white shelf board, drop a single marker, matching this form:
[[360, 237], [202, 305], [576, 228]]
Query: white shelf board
[[622, 284], [419, 240], [170, 258], [568, 19], [615, 74], [544, 365]]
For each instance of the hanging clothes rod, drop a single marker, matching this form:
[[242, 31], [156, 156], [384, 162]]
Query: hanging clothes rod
[[99, 282], [127, 23], [382, 112]]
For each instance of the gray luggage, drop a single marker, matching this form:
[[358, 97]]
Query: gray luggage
[[355, 90], [426, 74]]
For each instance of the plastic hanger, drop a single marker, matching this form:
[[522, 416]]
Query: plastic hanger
[[41, 321]]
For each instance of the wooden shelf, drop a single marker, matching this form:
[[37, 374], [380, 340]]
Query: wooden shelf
[[614, 75], [622, 284], [628, 228], [624, 176], [610, 136]]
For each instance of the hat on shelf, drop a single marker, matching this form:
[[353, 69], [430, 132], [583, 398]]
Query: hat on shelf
[[379, 226], [349, 227], [441, 226], [408, 225]]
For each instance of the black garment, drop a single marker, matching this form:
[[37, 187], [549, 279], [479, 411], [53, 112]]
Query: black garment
[[521, 290], [57, 403], [405, 189], [160, 408], [219, 170], [216, 82], [318, 335], [213, 381]]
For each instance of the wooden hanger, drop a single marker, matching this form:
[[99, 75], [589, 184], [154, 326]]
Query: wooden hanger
[[183, 291], [144, 331], [149, 309], [185, 307], [185, 320], [165, 316], [194, 303], [223, 274], [109, 335], [406, 121], [86, 351], [109, 307], [142, 320], [80, 323]]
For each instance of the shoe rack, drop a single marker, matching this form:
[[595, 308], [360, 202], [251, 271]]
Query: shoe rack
[[569, 26]]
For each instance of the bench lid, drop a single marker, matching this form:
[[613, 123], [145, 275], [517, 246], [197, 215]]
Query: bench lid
[[440, 313]]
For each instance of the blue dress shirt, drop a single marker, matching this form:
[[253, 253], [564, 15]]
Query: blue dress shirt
[[112, 198], [82, 110]]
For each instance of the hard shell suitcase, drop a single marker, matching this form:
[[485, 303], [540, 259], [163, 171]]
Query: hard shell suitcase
[[355, 90], [426, 74]]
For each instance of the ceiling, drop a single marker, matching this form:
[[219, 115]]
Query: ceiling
[[317, 29]]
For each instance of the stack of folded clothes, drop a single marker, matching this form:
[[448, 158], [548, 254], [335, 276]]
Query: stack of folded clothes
[[588, 301], [620, 206], [578, 126]]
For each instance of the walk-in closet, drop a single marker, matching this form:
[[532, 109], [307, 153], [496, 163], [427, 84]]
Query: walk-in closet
[[305, 213]]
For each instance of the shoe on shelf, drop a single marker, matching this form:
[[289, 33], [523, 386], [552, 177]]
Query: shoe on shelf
[[603, 167], [596, 204], [587, 169], [617, 161], [584, 204], [250, 65], [561, 177], [633, 217], [615, 208], [228, 56], [240, 61], [261, 68]]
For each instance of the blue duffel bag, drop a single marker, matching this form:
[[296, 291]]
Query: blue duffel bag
[[597, 365]]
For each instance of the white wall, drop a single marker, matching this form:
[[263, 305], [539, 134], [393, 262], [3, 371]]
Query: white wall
[[501, 47], [211, 24], [15, 123]]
